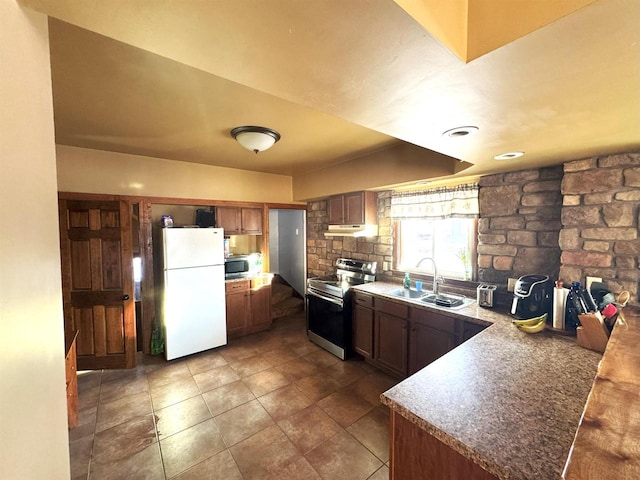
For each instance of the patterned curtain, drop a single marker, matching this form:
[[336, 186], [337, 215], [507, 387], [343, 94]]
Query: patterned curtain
[[460, 201]]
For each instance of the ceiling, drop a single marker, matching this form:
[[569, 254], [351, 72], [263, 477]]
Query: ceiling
[[344, 80]]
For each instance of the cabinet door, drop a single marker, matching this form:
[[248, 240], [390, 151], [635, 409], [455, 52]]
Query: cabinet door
[[229, 218], [251, 221], [427, 345], [363, 330], [238, 305], [354, 208], [391, 342], [336, 210], [260, 308], [471, 329]]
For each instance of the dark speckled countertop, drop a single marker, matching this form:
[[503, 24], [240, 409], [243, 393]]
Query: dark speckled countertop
[[509, 401]]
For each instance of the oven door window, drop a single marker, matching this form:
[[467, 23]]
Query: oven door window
[[327, 320]]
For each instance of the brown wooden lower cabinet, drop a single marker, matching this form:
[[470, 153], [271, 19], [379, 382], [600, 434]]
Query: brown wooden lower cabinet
[[431, 335], [470, 329], [248, 304], [391, 342], [237, 304], [417, 455], [427, 345], [260, 308], [363, 325]]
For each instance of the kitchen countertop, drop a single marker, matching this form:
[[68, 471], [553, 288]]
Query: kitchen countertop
[[509, 401], [265, 278]]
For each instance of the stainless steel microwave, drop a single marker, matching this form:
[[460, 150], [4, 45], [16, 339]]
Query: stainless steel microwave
[[237, 266]]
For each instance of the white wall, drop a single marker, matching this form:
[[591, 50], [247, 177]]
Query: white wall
[[287, 245], [274, 242], [33, 421]]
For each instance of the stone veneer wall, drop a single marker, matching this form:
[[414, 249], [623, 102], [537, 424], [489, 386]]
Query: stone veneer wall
[[601, 221], [519, 225]]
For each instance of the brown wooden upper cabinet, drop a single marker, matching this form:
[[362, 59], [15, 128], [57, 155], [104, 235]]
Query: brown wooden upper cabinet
[[239, 220], [355, 208]]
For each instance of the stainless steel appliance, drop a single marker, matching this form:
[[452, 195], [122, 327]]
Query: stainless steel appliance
[[236, 266], [532, 296], [485, 295], [329, 305]]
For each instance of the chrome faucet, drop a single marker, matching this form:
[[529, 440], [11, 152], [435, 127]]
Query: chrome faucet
[[436, 279]]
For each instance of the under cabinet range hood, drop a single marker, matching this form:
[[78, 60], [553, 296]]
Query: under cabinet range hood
[[352, 231]]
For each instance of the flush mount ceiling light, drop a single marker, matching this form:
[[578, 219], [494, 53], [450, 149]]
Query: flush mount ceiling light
[[256, 139], [508, 156], [460, 132]]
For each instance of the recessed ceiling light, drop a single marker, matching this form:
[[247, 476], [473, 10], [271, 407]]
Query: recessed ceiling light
[[460, 132], [508, 156]]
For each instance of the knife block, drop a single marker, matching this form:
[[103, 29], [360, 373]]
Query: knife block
[[593, 333]]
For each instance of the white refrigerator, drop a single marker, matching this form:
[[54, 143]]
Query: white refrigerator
[[193, 303]]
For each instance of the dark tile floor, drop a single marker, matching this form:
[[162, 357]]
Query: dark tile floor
[[268, 406]]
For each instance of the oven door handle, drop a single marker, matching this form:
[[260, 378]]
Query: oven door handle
[[335, 301]]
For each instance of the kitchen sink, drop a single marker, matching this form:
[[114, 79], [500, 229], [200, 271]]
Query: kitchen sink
[[408, 293], [446, 300], [443, 300]]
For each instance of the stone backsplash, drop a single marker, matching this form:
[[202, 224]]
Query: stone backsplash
[[601, 221], [569, 221], [519, 225]]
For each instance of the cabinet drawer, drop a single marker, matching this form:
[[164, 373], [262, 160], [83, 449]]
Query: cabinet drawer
[[239, 286], [392, 308], [363, 300], [433, 320]]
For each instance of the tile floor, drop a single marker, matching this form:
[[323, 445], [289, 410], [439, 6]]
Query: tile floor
[[268, 406]]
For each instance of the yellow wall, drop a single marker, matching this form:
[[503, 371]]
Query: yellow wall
[[97, 171], [33, 421], [377, 171]]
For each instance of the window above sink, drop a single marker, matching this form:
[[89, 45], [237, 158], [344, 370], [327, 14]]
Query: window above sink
[[440, 223]]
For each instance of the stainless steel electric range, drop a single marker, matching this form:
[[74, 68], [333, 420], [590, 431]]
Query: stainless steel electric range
[[329, 305]]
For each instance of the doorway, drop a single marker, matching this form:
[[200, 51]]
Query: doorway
[[287, 247]]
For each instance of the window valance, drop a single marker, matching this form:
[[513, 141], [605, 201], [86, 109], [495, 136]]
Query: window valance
[[460, 201]]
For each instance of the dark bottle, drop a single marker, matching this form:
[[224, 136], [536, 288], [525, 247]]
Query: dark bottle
[[575, 306]]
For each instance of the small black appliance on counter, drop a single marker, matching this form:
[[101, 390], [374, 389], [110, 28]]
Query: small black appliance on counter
[[532, 296]]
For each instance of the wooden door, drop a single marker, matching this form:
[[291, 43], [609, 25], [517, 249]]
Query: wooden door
[[237, 305], [354, 208], [251, 221], [427, 345], [229, 219], [237, 302], [97, 282], [260, 308], [363, 330], [391, 342], [470, 330], [336, 210]]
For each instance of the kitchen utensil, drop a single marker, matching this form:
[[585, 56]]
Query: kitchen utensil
[[623, 298]]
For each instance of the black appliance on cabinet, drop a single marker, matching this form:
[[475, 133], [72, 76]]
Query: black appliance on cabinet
[[532, 296], [205, 218], [328, 302]]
